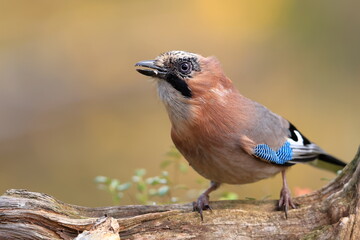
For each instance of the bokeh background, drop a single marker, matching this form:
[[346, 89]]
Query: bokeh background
[[73, 107]]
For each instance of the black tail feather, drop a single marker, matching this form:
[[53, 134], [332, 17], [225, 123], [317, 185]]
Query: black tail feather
[[330, 159]]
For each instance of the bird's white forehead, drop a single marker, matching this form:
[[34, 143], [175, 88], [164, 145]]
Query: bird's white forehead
[[179, 54], [172, 55]]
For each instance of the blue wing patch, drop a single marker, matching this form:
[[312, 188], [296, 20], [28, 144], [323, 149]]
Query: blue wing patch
[[281, 156]]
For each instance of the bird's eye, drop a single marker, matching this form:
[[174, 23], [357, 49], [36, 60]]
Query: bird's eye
[[185, 67]]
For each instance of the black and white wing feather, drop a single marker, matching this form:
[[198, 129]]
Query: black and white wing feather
[[302, 149]]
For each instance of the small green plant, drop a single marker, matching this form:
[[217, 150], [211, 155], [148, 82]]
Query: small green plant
[[113, 186], [228, 196], [162, 188], [147, 188]]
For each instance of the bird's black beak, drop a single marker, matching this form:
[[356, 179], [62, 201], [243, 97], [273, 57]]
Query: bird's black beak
[[148, 68]]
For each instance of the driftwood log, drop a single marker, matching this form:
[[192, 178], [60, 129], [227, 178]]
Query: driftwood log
[[332, 212]]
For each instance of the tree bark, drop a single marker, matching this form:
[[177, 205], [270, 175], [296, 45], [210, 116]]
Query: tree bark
[[332, 212]]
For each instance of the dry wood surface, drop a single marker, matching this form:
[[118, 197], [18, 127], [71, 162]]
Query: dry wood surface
[[332, 212]]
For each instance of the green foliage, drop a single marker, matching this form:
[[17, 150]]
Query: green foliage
[[161, 188], [113, 186], [228, 196], [147, 188]]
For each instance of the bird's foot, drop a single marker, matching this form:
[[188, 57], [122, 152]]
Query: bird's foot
[[285, 200], [202, 203]]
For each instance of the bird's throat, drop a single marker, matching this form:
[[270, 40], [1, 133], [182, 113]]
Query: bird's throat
[[178, 107]]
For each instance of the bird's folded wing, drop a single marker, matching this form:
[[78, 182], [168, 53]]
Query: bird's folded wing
[[296, 149]]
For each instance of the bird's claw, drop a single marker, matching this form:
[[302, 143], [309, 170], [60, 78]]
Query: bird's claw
[[285, 201], [202, 203]]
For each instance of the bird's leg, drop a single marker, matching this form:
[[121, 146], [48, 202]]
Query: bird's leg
[[202, 203], [285, 196]]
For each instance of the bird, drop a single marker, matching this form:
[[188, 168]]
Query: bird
[[226, 137]]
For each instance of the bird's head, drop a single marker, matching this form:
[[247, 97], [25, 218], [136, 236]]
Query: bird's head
[[184, 75]]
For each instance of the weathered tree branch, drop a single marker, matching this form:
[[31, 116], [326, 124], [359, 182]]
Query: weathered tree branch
[[332, 212]]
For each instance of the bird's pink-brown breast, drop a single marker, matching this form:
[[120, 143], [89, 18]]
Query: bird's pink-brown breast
[[213, 136], [215, 147]]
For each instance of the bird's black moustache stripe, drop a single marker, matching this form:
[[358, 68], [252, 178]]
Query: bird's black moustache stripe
[[179, 84]]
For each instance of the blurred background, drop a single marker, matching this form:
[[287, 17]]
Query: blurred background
[[73, 107]]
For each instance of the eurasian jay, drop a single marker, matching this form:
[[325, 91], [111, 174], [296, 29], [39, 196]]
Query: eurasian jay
[[225, 137]]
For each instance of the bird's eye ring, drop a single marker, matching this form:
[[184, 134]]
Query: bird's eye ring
[[185, 67]]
